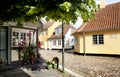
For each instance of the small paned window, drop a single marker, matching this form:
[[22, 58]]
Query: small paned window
[[59, 42], [54, 42], [98, 39], [17, 37]]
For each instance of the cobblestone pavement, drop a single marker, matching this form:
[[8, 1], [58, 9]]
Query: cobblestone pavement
[[89, 66]]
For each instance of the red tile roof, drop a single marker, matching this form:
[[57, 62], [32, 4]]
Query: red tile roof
[[66, 28], [107, 18]]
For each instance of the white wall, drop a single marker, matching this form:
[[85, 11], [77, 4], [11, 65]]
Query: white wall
[[52, 46], [69, 37], [33, 36]]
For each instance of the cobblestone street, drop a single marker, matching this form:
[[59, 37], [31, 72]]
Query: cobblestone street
[[88, 66]]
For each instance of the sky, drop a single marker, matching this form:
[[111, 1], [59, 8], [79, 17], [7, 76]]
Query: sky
[[108, 1], [79, 21]]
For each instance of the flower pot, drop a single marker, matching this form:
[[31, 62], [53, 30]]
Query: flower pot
[[54, 66], [49, 66], [31, 59]]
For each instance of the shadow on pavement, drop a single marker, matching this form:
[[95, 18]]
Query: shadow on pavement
[[14, 69]]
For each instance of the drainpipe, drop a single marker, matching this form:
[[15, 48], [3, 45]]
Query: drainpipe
[[84, 46]]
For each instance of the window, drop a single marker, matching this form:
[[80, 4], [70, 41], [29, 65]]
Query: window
[[98, 39], [59, 42], [23, 36], [76, 41], [72, 40], [58, 31], [54, 42], [67, 42], [17, 37]]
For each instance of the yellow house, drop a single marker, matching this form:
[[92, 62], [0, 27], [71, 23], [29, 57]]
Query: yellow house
[[102, 35], [48, 29]]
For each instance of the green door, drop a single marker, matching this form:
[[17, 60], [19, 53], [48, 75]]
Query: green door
[[4, 44]]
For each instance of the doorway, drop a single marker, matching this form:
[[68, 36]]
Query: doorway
[[5, 44]]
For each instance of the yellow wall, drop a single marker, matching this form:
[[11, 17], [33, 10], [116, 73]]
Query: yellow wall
[[111, 43], [77, 46], [52, 28], [44, 38]]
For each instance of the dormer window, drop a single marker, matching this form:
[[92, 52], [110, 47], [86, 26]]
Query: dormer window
[[58, 31]]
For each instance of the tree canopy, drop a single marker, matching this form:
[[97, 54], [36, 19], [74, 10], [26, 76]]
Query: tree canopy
[[32, 10]]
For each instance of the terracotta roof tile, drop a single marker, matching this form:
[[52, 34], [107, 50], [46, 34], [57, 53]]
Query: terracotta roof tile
[[107, 18]]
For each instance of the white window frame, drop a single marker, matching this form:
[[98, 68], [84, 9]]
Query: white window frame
[[58, 31], [19, 38], [98, 39], [15, 39], [54, 42], [59, 42]]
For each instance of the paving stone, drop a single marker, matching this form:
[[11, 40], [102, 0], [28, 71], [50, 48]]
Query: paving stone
[[90, 65]]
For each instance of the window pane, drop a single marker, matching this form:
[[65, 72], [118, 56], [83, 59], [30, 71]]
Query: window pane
[[15, 39], [15, 33], [23, 36], [94, 39], [101, 39], [58, 42], [54, 42]]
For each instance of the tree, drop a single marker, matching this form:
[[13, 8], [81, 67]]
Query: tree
[[32, 10]]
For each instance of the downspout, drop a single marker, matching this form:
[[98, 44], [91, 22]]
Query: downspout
[[84, 45]]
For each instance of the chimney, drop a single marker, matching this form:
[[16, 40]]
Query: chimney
[[102, 3]]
